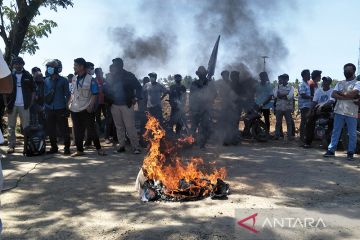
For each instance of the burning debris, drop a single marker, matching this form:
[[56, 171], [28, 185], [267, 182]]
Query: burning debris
[[165, 177]]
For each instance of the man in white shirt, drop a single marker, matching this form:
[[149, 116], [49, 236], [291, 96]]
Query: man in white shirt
[[346, 111], [284, 95], [323, 94], [154, 92], [20, 100], [322, 99]]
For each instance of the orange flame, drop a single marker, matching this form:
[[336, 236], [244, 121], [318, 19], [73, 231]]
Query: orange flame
[[162, 163]]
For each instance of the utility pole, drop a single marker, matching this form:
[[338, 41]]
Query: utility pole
[[264, 57]]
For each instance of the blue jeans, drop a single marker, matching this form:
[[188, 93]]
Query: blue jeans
[[351, 123]]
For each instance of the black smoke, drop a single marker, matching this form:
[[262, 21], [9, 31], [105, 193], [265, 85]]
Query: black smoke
[[139, 52], [245, 33]]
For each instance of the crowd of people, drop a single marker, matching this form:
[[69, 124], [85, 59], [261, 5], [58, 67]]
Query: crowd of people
[[99, 103]]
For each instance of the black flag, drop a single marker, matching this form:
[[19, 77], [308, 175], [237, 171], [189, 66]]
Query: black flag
[[212, 60]]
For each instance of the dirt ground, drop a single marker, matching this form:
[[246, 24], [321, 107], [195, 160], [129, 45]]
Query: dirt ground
[[93, 197]]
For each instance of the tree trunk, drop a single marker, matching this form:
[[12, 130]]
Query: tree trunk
[[19, 29]]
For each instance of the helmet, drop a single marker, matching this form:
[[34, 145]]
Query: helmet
[[56, 64], [59, 65]]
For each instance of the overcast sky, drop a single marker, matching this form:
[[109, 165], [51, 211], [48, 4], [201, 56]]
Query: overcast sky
[[319, 34]]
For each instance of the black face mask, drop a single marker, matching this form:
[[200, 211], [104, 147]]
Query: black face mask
[[348, 74]]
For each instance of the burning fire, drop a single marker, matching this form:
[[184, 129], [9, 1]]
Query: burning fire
[[163, 164]]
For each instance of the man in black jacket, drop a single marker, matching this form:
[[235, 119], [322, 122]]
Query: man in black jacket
[[20, 99], [123, 89], [201, 98]]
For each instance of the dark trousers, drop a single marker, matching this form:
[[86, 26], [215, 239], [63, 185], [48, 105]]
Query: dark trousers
[[304, 112], [57, 119], [266, 113], [157, 113], [2, 113], [201, 121], [310, 128], [110, 129], [230, 128], [84, 121], [175, 119]]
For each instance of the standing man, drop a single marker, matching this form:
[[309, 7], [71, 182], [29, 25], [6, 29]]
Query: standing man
[[38, 106], [124, 90], [100, 103], [81, 105], [202, 96], [56, 96], [142, 112], [322, 99], [70, 78], [314, 81], [35, 71], [177, 102], [284, 94], [110, 130], [20, 100], [263, 96], [346, 111], [154, 92], [92, 125], [223, 87], [305, 101]]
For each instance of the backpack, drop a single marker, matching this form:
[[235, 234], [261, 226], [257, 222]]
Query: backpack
[[34, 139]]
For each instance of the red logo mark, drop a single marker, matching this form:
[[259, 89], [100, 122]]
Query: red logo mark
[[241, 223]]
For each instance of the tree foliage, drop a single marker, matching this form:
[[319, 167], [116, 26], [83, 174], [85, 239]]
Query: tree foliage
[[18, 28], [170, 80]]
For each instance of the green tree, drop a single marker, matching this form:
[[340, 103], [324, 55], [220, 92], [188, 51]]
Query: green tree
[[187, 80], [168, 81], [296, 84], [18, 28]]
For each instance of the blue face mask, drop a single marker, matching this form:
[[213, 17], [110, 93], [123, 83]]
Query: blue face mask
[[51, 70]]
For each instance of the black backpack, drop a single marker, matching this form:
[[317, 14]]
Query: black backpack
[[34, 139]]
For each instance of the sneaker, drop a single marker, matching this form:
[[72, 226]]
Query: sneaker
[[10, 150], [77, 154], [107, 141], [67, 151], [52, 151], [329, 154], [350, 157], [137, 151], [120, 150]]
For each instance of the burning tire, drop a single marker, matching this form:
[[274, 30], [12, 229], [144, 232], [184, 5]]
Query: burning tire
[[165, 176]]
